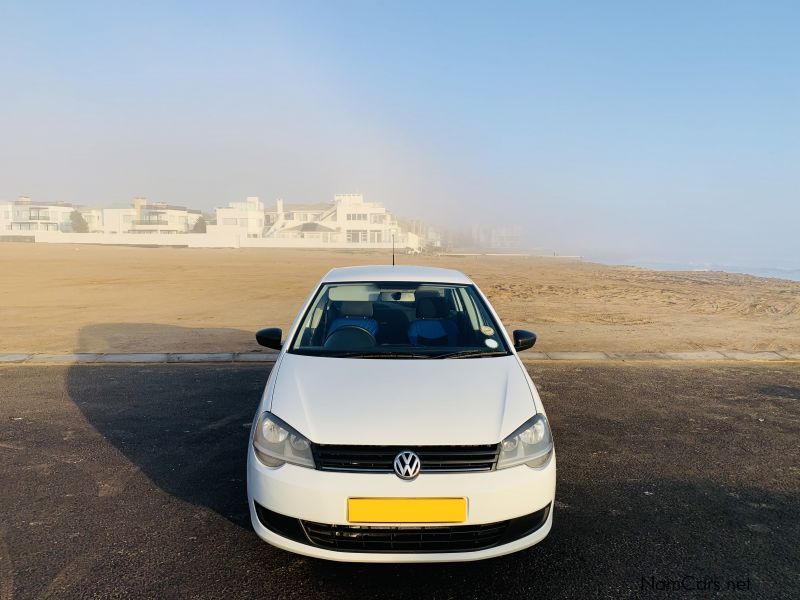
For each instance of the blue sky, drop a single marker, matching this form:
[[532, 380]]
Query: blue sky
[[631, 130]]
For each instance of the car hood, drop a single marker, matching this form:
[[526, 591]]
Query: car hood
[[402, 401]]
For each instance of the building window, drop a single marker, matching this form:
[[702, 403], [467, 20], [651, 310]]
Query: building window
[[39, 214], [376, 218], [356, 236], [356, 216], [375, 236]]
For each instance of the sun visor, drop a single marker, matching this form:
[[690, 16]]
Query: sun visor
[[354, 292]]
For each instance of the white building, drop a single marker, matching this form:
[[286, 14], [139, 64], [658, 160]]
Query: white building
[[93, 218], [348, 220], [26, 215], [141, 218], [162, 218], [5, 216], [242, 218], [117, 219]]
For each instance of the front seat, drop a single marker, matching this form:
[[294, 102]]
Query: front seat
[[355, 313], [432, 327]]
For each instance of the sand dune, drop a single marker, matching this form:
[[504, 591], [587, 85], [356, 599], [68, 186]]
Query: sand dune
[[63, 298]]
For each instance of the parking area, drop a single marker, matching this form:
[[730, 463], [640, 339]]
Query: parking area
[[675, 480]]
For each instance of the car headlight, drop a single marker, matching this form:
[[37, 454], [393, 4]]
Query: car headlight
[[276, 443], [531, 444]]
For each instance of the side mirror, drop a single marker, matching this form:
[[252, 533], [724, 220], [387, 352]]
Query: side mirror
[[270, 337], [523, 339]]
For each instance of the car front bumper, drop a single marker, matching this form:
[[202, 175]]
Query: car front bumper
[[320, 497]]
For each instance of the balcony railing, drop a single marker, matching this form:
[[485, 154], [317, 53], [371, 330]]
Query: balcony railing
[[145, 222]]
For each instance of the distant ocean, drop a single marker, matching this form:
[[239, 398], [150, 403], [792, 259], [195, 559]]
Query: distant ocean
[[775, 272]]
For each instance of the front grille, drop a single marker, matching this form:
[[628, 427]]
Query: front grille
[[349, 538], [380, 459], [401, 539]]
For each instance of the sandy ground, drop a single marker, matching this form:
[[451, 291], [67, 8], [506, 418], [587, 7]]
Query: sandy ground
[[66, 298]]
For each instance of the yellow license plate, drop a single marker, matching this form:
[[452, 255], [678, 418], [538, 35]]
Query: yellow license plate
[[406, 510]]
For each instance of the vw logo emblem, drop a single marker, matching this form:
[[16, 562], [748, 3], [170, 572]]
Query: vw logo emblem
[[407, 465]]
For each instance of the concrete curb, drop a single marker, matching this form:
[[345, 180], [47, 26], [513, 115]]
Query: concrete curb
[[269, 357], [139, 358]]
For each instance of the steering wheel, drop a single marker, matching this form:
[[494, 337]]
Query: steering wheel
[[350, 337]]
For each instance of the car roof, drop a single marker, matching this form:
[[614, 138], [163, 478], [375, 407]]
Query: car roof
[[395, 273]]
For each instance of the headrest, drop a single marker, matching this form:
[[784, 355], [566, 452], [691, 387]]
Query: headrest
[[356, 308], [431, 307]]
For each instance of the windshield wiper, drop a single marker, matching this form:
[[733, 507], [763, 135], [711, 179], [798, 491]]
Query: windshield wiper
[[470, 354], [377, 355]]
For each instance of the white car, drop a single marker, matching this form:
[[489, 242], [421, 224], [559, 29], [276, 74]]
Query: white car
[[399, 425]]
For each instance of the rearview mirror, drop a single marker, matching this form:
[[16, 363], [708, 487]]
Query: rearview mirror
[[270, 337], [523, 339]]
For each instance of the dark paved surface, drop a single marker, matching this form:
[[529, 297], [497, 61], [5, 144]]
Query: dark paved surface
[[129, 481]]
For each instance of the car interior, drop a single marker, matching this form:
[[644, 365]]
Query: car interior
[[360, 316]]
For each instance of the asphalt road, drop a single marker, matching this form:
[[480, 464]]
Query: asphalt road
[[129, 481]]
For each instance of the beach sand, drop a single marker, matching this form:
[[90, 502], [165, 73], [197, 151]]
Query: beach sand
[[70, 298]]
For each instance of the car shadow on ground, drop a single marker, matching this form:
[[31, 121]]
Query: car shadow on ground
[[189, 439]]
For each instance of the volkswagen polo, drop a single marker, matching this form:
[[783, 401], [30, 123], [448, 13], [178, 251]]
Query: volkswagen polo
[[399, 425]]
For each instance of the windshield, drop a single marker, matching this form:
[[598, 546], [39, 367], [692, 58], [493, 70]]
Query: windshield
[[398, 320]]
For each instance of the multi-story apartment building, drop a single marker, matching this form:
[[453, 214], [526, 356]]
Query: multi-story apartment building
[[142, 218], [27, 215], [243, 218], [348, 220], [162, 218]]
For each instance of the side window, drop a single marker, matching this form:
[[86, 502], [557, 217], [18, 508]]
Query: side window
[[311, 325]]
